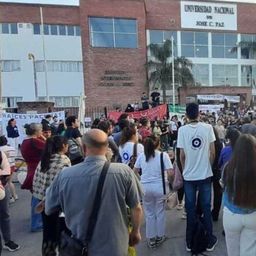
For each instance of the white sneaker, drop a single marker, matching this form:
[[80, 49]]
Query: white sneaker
[[16, 197], [12, 200], [184, 215], [179, 207]]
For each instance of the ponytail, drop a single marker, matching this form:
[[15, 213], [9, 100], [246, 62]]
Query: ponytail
[[53, 145], [150, 145]]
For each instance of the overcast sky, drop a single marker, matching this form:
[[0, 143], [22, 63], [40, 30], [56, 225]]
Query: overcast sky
[[76, 2], [64, 2]]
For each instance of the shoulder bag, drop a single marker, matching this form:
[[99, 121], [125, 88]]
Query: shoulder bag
[[134, 156], [171, 200], [70, 246]]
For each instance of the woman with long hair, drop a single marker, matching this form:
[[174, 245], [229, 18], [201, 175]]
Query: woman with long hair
[[149, 164], [53, 160], [31, 149], [129, 144], [239, 181]]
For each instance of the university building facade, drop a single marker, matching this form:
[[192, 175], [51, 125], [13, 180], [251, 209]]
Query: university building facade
[[100, 48]]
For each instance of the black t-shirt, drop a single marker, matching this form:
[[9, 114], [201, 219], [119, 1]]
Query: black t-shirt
[[72, 133], [155, 96]]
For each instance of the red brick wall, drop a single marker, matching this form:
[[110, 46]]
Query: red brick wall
[[28, 13], [98, 60]]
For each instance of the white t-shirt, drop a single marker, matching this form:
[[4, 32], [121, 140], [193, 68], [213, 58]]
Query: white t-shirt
[[173, 126], [195, 140], [126, 151], [151, 170]]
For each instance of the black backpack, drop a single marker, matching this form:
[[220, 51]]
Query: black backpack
[[74, 150], [199, 240]]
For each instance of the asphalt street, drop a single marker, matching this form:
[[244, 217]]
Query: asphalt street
[[174, 246]]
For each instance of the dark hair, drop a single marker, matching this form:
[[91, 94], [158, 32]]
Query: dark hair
[[104, 126], [47, 116], [53, 146], [61, 128], [122, 117], [11, 120], [124, 123], [3, 141], [95, 123], [128, 133], [46, 128], [233, 135], [192, 111], [151, 143], [70, 120], [240, 173], [144, 121]]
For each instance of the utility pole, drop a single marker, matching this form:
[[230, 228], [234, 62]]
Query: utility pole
[[32, 57], [173, 78]]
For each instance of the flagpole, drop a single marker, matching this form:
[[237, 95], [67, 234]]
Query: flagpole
[[44, 55]]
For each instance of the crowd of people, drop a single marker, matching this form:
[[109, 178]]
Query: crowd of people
[[88, 192]]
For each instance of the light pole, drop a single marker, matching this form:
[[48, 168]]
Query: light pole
[[173, 78], [32, 57]]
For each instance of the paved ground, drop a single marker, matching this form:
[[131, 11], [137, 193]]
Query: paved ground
[[174, 246]]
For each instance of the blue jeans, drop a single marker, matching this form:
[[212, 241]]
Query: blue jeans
[[36, 219], [204, 198]]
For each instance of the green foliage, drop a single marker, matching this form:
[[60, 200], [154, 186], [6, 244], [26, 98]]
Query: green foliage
[[160, 67]]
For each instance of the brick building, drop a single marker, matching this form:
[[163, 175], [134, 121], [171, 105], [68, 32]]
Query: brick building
[[115, 35]]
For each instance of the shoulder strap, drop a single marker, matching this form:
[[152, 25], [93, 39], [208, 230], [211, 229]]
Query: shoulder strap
[[162, 172], [135, 150], [96, 204]]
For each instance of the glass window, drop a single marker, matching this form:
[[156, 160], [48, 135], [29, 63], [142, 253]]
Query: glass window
[[14, 28], [125, 26], [201, 74], [54, 30], [113, 32], [103, 25], [5, 28], [36, 28], [78, 31], [225, 75], [194, 44], [46, 30], [62, 30], [71, 30], [223, 45], [11, 66], [125, 41], [247, 46], [248, 76], [156, 36]]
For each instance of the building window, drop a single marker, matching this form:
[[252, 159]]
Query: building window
[[63, 101], [248, 76], [223, 45], [54, 30], [60, 66], [36, 28], [71, 30], [194, 44], [14, 28], [11, 102], [247, 47], [160, 36], [201, 74], [10, 65], [225, 75], [113, 32], [9, 28]]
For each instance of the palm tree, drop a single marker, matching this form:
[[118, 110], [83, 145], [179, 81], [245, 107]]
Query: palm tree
[[160, 67]]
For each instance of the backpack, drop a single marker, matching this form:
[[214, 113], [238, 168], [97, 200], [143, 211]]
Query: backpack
[[74, 150], [199, 241]]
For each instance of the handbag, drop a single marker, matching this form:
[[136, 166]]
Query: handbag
[[177, 182], [171, 200], [69, 245], [133, 157]]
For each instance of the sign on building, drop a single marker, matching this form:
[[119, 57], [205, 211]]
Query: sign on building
[[210, 16]]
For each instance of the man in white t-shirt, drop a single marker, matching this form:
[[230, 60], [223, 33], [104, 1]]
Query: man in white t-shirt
[[197, 153]]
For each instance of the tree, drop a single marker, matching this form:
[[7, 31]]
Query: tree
[[160, 67]]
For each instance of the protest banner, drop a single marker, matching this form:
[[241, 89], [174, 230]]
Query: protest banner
[[23, 119], [152, 113]]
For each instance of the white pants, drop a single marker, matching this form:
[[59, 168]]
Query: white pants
[[154, 207], [240, 230], [14, 142]]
